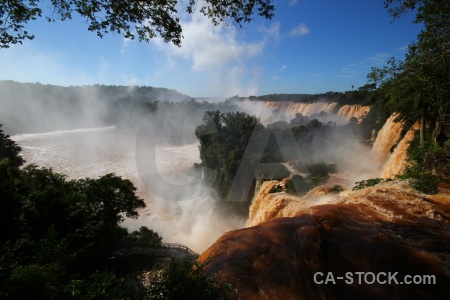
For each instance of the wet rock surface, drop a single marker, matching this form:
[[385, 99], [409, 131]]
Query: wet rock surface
[[385, 228]]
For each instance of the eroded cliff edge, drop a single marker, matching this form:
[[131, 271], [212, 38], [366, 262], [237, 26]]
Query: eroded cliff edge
[[385, 228]]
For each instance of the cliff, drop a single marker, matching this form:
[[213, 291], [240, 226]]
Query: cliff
[[385, 228]]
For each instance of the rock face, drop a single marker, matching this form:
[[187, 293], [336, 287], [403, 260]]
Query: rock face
[[385, 228]]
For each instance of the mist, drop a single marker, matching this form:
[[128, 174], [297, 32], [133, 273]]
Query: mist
[[188, 215], [153, 143], [338, 142], [35, 107]]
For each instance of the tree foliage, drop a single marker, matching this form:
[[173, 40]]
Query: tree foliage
[[420, 84], [364, 95], [61, 239], [186, 280], [423, 180], [142, 19], [9, 150], [223, 140]]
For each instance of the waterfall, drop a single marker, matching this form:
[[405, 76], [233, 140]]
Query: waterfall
[[308, 109], [387, 137], [357, 111], [397, 161]]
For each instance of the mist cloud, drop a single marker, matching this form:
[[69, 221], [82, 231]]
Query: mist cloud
[[300, 30]]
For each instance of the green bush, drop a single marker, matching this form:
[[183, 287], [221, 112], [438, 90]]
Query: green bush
[[186, 280], [319, 173], [427, 184], [369, 182], [421, 180]]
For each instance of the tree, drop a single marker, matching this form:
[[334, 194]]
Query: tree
[[422, 80], [144, 19], [223, 141], [9, 149], [186, 280]]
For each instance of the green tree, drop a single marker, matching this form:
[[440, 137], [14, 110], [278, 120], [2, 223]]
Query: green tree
[[9, 149], [10, 161], [186, 280], [422, 80], [144, 19], [223, 140]]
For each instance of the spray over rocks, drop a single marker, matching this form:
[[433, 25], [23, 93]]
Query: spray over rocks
[[385, 228]]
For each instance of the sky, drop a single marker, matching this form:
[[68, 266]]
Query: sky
[[310, 46]]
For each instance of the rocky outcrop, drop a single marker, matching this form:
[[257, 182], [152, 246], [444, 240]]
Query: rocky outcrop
[[385, 228]]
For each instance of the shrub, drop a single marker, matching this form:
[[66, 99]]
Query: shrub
[[187, 280], [423, 181], [369, 182], [319, 173], [427, 183]]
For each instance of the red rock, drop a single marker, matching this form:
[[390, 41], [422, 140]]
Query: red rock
[[380, 229]]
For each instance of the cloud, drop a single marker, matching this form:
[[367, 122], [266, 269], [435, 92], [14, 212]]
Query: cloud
[[125, 43], [347, 73], [293, 2], [218, 53], [272, 31], [300, 30], [379, 59], [402, 49], [208, 46], [283, 68]]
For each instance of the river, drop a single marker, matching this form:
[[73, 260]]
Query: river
[[95, 152]]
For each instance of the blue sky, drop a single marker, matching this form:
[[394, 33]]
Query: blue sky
[[310, 46]]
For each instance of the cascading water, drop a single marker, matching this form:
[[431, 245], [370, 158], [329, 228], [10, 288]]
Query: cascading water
[[397, 160], [267, 206], [350, 111], [387, 137], [308, 109]]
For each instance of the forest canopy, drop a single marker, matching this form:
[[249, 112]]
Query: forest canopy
[[142, 19]]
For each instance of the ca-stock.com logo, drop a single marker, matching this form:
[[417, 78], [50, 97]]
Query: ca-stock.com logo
[[146, 160]]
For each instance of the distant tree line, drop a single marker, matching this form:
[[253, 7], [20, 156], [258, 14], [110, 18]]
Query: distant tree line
[[35, 107], [365, 95]]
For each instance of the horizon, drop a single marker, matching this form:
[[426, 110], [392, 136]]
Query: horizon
[[308, 48]]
